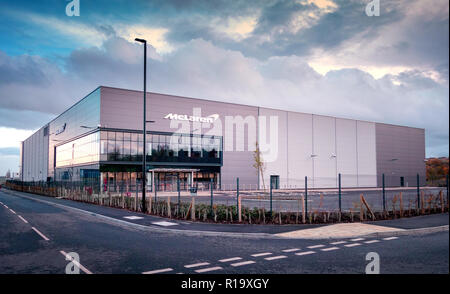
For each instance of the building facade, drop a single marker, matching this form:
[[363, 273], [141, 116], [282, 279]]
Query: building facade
[[198, 141]]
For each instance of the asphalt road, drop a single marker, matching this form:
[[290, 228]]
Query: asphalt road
[[33, 234]]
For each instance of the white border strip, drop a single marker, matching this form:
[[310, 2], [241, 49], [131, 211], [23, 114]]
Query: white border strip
[[68, 257]]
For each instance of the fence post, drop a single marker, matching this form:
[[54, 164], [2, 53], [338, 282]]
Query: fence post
[[237, 195], [306, 195], [340, 195], [179, 196], [271, 195], [384, 194], [211, 187], [446, 178], [418, 192]]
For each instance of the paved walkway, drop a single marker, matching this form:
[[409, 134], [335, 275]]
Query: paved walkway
[[335, 231]]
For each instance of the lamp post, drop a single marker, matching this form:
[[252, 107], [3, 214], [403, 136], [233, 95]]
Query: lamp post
[[144, 157]]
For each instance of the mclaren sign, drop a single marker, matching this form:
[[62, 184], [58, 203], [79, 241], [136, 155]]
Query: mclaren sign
[[208, 119]]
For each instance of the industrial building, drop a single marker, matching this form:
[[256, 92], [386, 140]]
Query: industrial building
[[194, 140]]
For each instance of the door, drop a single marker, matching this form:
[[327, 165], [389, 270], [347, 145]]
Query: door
[[402, 181]]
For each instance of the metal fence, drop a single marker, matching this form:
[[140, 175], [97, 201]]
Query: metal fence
[[227, 205]]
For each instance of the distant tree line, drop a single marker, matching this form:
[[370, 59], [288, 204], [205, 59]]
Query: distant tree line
[[437, 170]]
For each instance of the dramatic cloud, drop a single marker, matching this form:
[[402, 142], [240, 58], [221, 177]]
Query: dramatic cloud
[[319, 56]]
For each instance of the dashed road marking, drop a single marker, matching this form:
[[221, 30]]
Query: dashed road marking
[[164, 270], [12, 211], [330, 249], [305, 253], [208, 269], [6, 206], [356, 239], [261, 254], [68, 257], [230, 259], [242, 263], [390, 238], [196, 264], [352, 245], [316, 246], [165, 224], [24, 220], [338, 242], [371, 241], [133, 217], [275, 257], [40, 234], [291, 250]]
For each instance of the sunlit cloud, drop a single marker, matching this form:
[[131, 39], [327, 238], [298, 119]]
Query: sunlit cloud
[[154, 36]]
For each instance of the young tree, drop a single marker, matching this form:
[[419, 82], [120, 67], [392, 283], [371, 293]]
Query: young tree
[[259, 163]]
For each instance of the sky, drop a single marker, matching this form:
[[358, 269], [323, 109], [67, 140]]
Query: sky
[[316, 56]]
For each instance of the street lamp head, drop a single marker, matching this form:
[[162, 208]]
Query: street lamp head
[[141, 40]]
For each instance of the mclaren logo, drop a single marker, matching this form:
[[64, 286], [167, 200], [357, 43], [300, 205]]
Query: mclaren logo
[[208, 119]]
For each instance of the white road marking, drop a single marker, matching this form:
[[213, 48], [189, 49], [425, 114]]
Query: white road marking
[[261, 254], [305, 253], [338, 242], [352, 245], [68, 257], [12, 211], [316, 246], [204, 270], [164, 224], [133, 217], [371, 241], [242, 263], [6, 206], [330, 249], [357, 239], [40, 234], [196, 264], [158, 271], [275, 257], [390, 238], [230, 259], [291, 250], [24, 220]]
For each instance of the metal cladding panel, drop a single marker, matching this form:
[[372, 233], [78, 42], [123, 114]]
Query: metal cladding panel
[[300, 163], [346, 153], [35, 157], [276, 161], [122, 109], [324, 149], [400, 153], [367, 154]]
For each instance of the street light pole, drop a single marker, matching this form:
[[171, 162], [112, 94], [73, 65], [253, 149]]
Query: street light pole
[[144, 157]]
